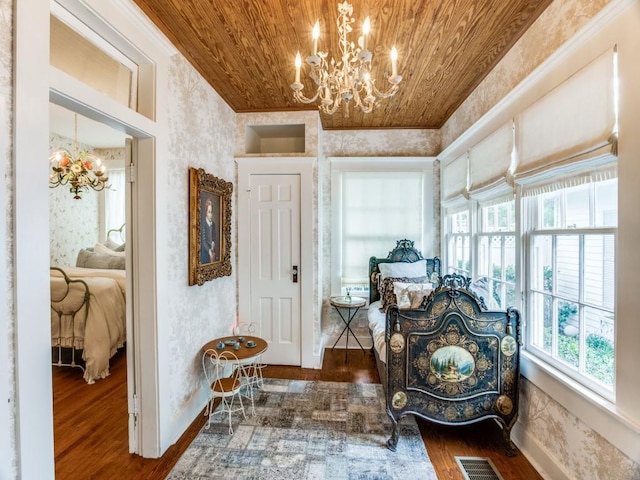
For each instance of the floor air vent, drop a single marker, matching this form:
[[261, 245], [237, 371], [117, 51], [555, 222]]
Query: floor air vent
[[478, 468]]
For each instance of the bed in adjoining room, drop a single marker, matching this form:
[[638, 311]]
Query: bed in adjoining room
[[88, 311]]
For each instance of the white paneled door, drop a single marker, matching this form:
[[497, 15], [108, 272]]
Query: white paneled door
[[275, 264]]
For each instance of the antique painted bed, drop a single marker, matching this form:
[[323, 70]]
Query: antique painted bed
[[449, 360], [88, 316]]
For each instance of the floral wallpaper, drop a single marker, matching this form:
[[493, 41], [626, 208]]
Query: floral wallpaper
[[74, 224], [381, 143], [8, 467], [201, 130], [577, 448]]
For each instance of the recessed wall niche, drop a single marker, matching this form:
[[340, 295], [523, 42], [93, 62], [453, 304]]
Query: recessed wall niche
[[262, 139]]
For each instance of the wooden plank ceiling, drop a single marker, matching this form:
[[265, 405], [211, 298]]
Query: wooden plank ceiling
[[245, 49]]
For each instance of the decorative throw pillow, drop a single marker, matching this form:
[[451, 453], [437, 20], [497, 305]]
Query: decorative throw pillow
[[103, 249], [480, 288], [411, 295], [403, 269], [387, 294], [110, 244], [89, 259]]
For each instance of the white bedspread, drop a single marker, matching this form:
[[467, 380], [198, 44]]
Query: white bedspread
[[377, 327], [120, 276], [105, 329]]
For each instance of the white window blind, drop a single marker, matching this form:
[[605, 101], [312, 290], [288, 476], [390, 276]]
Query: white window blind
[[115, 199], [454, 180], [378, 208], [490, 160], [573, 122]]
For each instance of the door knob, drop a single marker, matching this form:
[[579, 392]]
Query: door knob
[[295, 274]]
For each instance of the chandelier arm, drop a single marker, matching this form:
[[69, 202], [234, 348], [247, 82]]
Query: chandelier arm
[[389, 93], [348, 79], [300, 97]]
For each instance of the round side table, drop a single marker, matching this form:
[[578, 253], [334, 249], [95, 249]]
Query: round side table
[[351, 305]]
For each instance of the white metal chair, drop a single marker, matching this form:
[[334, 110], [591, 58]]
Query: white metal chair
[[251, 371], [215, 365]]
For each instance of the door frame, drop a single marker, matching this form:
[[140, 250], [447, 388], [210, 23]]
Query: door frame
[[303, 166], [35, 85]]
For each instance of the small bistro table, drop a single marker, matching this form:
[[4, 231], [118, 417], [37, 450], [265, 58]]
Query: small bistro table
[[245, 354], [351, 305], [247, 364]]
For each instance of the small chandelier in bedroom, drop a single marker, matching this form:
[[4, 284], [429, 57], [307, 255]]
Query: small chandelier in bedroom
[[349, 78], [80, 170]]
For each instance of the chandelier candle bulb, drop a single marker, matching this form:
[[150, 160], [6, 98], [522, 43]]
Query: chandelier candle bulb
[[298, 65], [316, 35], [366, 27], [394, 61]]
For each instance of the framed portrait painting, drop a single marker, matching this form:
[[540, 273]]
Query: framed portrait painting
[[209, 227]]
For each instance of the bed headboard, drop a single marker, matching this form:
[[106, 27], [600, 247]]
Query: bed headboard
[[403, 252], [117, 234]]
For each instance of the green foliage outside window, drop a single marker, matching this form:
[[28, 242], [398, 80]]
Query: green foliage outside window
[[600, 353]]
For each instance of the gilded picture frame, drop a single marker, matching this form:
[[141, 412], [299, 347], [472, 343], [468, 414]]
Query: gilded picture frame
[[209, 227]]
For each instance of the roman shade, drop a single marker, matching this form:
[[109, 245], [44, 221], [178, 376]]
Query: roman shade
[[574, 122], [490, 163], [454, 182]]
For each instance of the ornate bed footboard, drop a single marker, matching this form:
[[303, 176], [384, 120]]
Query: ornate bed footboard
[[69, 307], [88, 318], [452, 362]]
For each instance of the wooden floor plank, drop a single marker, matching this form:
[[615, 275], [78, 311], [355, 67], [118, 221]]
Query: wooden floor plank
[[91, 425]]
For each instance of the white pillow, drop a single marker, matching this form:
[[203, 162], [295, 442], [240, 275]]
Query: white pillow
[[100, 248], [410, 295], [403, 269], [110, 244]]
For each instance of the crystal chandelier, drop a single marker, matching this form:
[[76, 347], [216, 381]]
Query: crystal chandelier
[[348, 78], [80, 171]]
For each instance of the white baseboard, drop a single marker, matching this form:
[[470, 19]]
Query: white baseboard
[[538, 455]]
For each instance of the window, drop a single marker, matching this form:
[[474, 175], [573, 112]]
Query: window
[[115, 199], [459, 243], [571, 263], [373, 208], [496, 250], [78, 51]]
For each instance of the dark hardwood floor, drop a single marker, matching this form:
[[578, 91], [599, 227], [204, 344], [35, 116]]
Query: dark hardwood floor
[[90, 425]]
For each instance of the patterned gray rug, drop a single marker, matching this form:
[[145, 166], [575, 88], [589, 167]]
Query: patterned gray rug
[[308, 430]]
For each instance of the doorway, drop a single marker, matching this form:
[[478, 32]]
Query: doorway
[[275, 264], [90, 226], [275, 256]]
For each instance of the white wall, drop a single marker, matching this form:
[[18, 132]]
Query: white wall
[[7, 348]]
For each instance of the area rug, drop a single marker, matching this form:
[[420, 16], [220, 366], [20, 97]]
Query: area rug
[[307, 430]]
